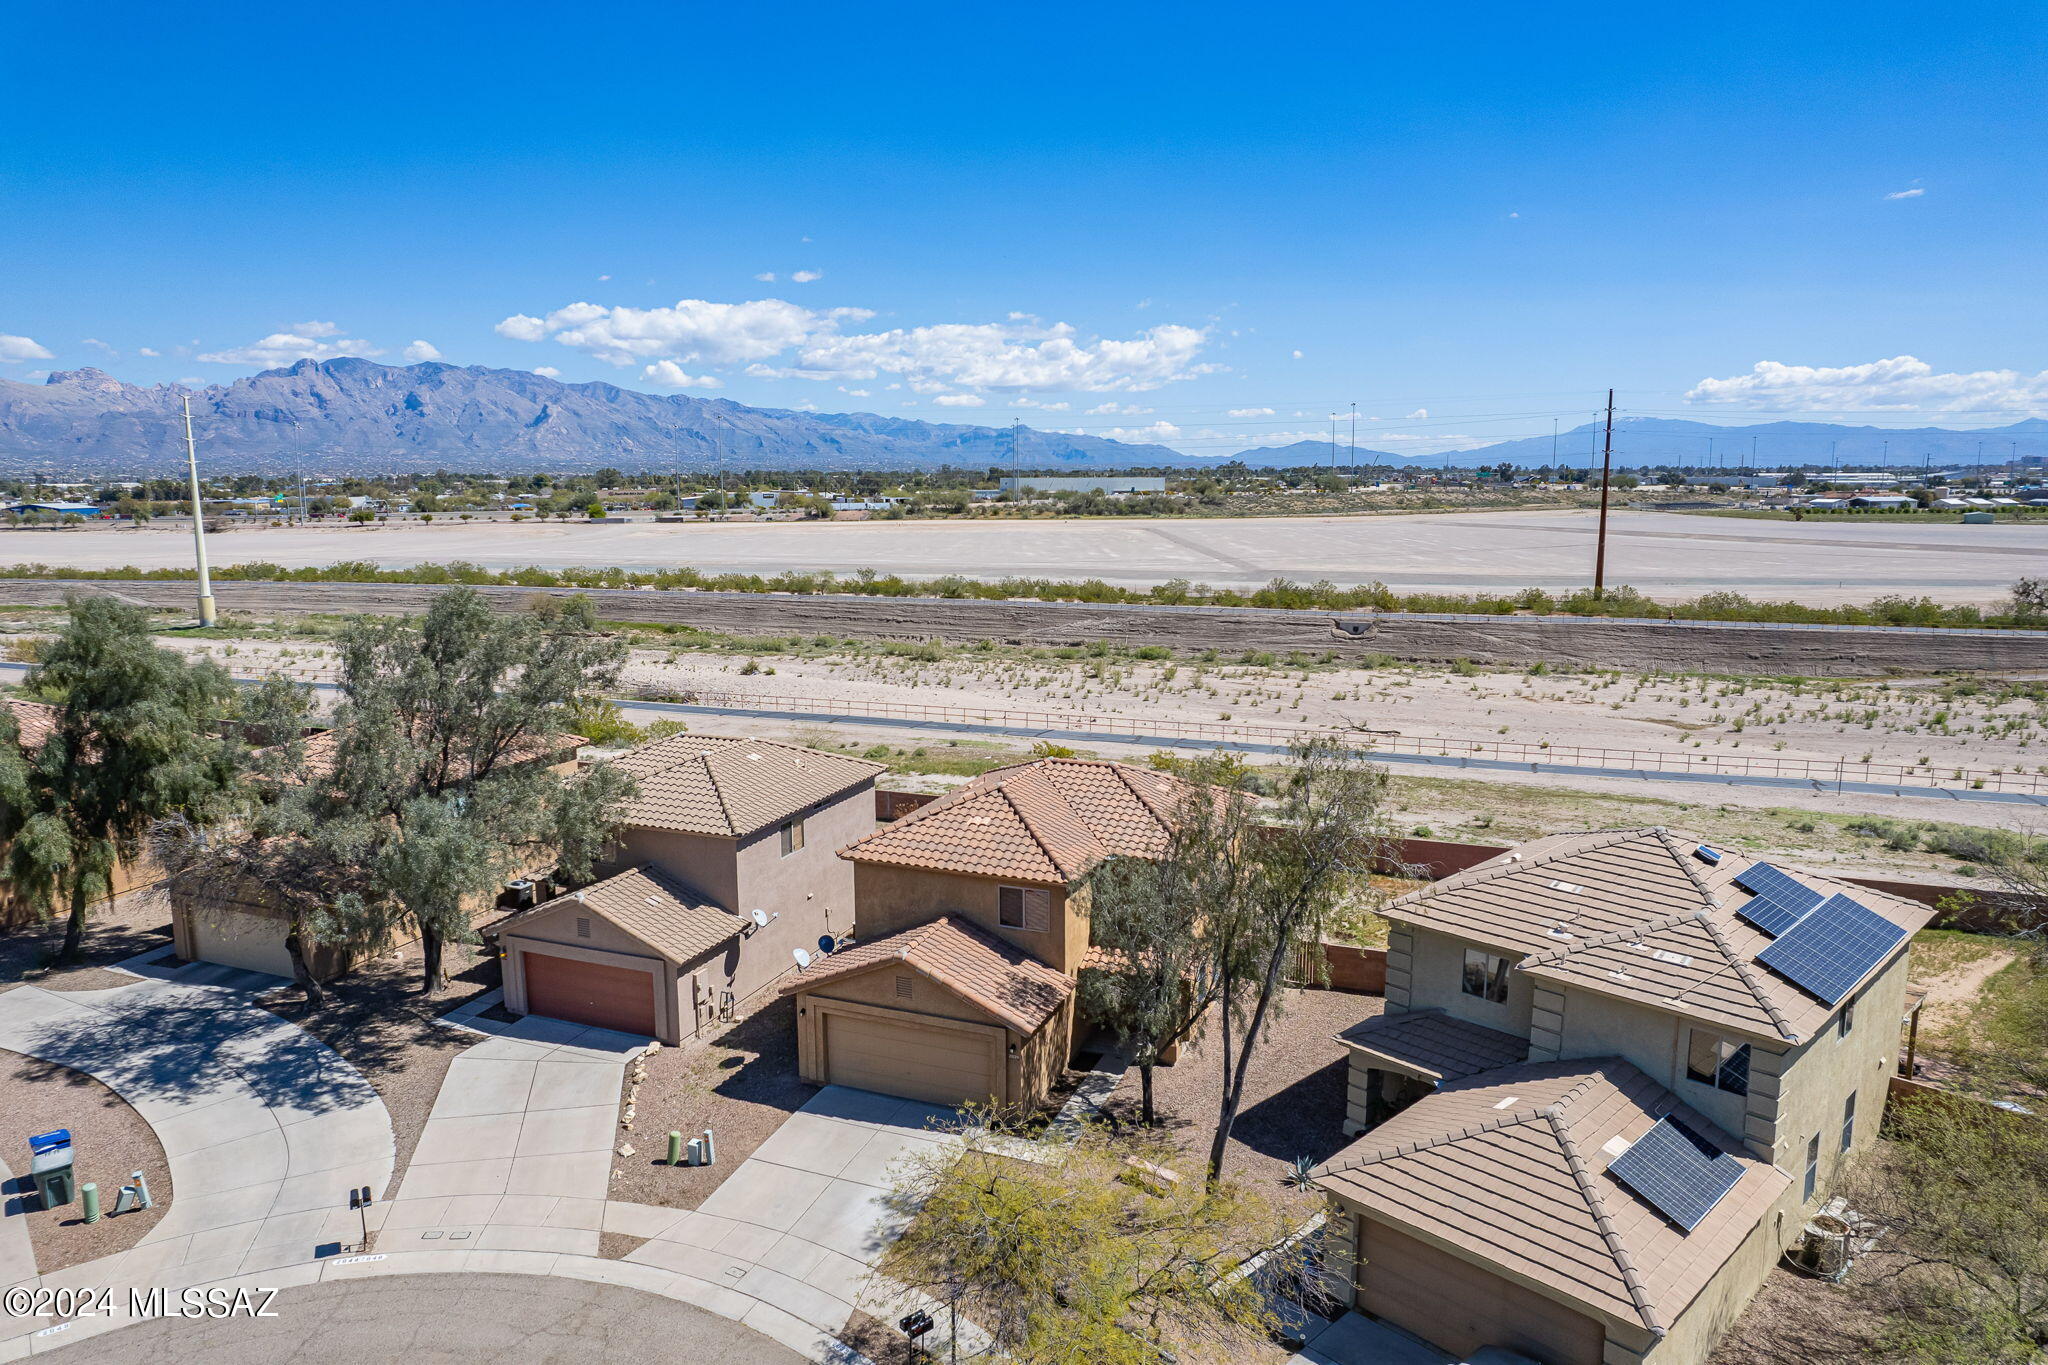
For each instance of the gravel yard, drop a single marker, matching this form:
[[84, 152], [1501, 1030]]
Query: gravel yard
[[132, 923], [110, 1140], [378, 1020], [1293, 1101], [739, 1081]]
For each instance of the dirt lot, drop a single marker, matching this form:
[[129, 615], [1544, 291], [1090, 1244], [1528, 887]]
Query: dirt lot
[[1793, 1318], [120, 928], [1294, 1097], [110, 1140], [378, 1020], [740, 1082]]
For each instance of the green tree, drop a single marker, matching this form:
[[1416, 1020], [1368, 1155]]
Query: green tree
[[136, 741], [440, 788], [1088, 1255], [1302, 864]]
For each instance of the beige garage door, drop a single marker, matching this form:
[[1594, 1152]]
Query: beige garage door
[[619, 998], [1462, 1307], [233, 939], [915, 1060]]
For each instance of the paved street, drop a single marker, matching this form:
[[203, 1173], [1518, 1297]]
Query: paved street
[[427, 1318]]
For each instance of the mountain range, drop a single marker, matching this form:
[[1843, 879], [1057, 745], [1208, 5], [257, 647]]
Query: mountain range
[[353, 415]]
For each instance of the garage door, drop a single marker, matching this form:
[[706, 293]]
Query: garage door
[[233, 939], [589, 992], [1460, 1307], [915, 1060]]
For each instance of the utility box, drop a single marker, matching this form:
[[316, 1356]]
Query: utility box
[[56, 1184]]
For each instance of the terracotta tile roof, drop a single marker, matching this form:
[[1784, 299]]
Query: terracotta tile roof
[[1049, 822], [320, 750], [971, 962], [724, 784], [1633, 913], [1435, 1046], [651, 906], [1509, 1168], [36, 720]]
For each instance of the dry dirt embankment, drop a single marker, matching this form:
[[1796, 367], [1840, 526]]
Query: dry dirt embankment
[[1688, 646]]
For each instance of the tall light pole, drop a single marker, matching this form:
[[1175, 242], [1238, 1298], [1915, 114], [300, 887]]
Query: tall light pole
[[207, 614], [1606, 474]]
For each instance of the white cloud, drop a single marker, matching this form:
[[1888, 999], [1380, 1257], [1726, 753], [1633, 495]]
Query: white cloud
[[669, 375], [1159, 431], [303, 341], [1913, 193], [1251, 412], [547, 372], [602, 278], [1127, 409], [14, 350], [1416, 416], [806, 276], [960, 400], [1297, 355], [149, 351], [1902, 383], [766, 277], [1043, 407], [97, 345], [855, 393], [1025, 355], [422, 350]]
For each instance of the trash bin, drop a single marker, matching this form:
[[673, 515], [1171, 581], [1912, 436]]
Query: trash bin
[[56, 1183]]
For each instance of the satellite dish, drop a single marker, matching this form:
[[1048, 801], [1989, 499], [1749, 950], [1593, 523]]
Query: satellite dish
[[760, 919], [803, 959], [826, 943]]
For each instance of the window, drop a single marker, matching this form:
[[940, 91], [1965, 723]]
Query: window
[[1720, 1062], [792, 836], [1024, 907], [1486, 975], [1846, 1020], [1812, 1167], [1849, 1121]]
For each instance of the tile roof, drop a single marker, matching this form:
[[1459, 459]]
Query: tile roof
[[1049, 821], [320, 749], [1434, 1045], [971, 962], [1633, 913], [651, 906], [36, 720], [725, 784], [1509, 1167]]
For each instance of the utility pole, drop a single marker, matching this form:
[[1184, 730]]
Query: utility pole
[[1606, 475], [1353, 460], [207, 614], [1333, 443]]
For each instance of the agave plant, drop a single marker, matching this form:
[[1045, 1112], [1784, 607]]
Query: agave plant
[[1302, 1175]]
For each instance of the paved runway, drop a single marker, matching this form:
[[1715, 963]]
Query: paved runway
[[1662, 554]]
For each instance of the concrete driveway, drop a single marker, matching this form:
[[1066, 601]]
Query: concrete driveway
[[793, 1233]]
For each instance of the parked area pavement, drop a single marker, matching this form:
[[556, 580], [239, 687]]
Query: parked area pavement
[[451, 1317], [265, 1130]]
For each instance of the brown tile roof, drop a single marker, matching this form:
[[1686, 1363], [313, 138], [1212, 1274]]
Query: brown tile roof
[[36, 720], [971, 962], [1509, 1168], [651, 906], [319, 750], [724, 784], [1633, 913], [1049, 822], [1434, 1045]]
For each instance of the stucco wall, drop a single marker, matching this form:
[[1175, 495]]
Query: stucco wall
[[1655, 1041], [890, 899], [706, 864], [1436, 970], [809, 894]]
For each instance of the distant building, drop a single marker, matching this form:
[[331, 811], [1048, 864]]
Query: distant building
[[1100, 483]]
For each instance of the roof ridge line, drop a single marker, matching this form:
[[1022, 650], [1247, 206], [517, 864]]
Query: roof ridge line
[[1127, 775], [1685, 865], [1509, 865], [717, 792], [1030, 828], [1513, 1120], [1603, 1221], [1654, 926], [1750, 979]]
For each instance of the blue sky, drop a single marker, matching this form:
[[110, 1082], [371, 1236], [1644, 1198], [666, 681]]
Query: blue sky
[[1206, 224]]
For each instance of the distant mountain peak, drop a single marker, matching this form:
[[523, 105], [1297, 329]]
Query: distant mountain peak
[[87, 378]]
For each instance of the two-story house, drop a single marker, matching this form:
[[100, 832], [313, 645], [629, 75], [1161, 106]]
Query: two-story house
[[973, 924], [1614, 1077], [721, 878]]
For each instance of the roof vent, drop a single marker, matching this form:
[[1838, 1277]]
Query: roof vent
[[1569, 888], [1675, 959], [1509, 1103], [1558, 931], [1707, 855]]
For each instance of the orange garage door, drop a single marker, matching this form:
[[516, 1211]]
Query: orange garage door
[[589, 992], [919, 1061]]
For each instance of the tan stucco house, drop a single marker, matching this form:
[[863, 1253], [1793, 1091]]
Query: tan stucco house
[[1601, 1101], [972, 918], [721, 870]]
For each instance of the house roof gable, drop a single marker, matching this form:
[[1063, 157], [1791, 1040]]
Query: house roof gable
[[732, 786]]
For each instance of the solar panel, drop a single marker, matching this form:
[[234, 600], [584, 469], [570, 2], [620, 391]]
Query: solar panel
[[1678, 1174], [1777, 902], [1831, 949]]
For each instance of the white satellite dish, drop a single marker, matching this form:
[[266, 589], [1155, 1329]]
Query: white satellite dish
[[760, 919], [803, 959]]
